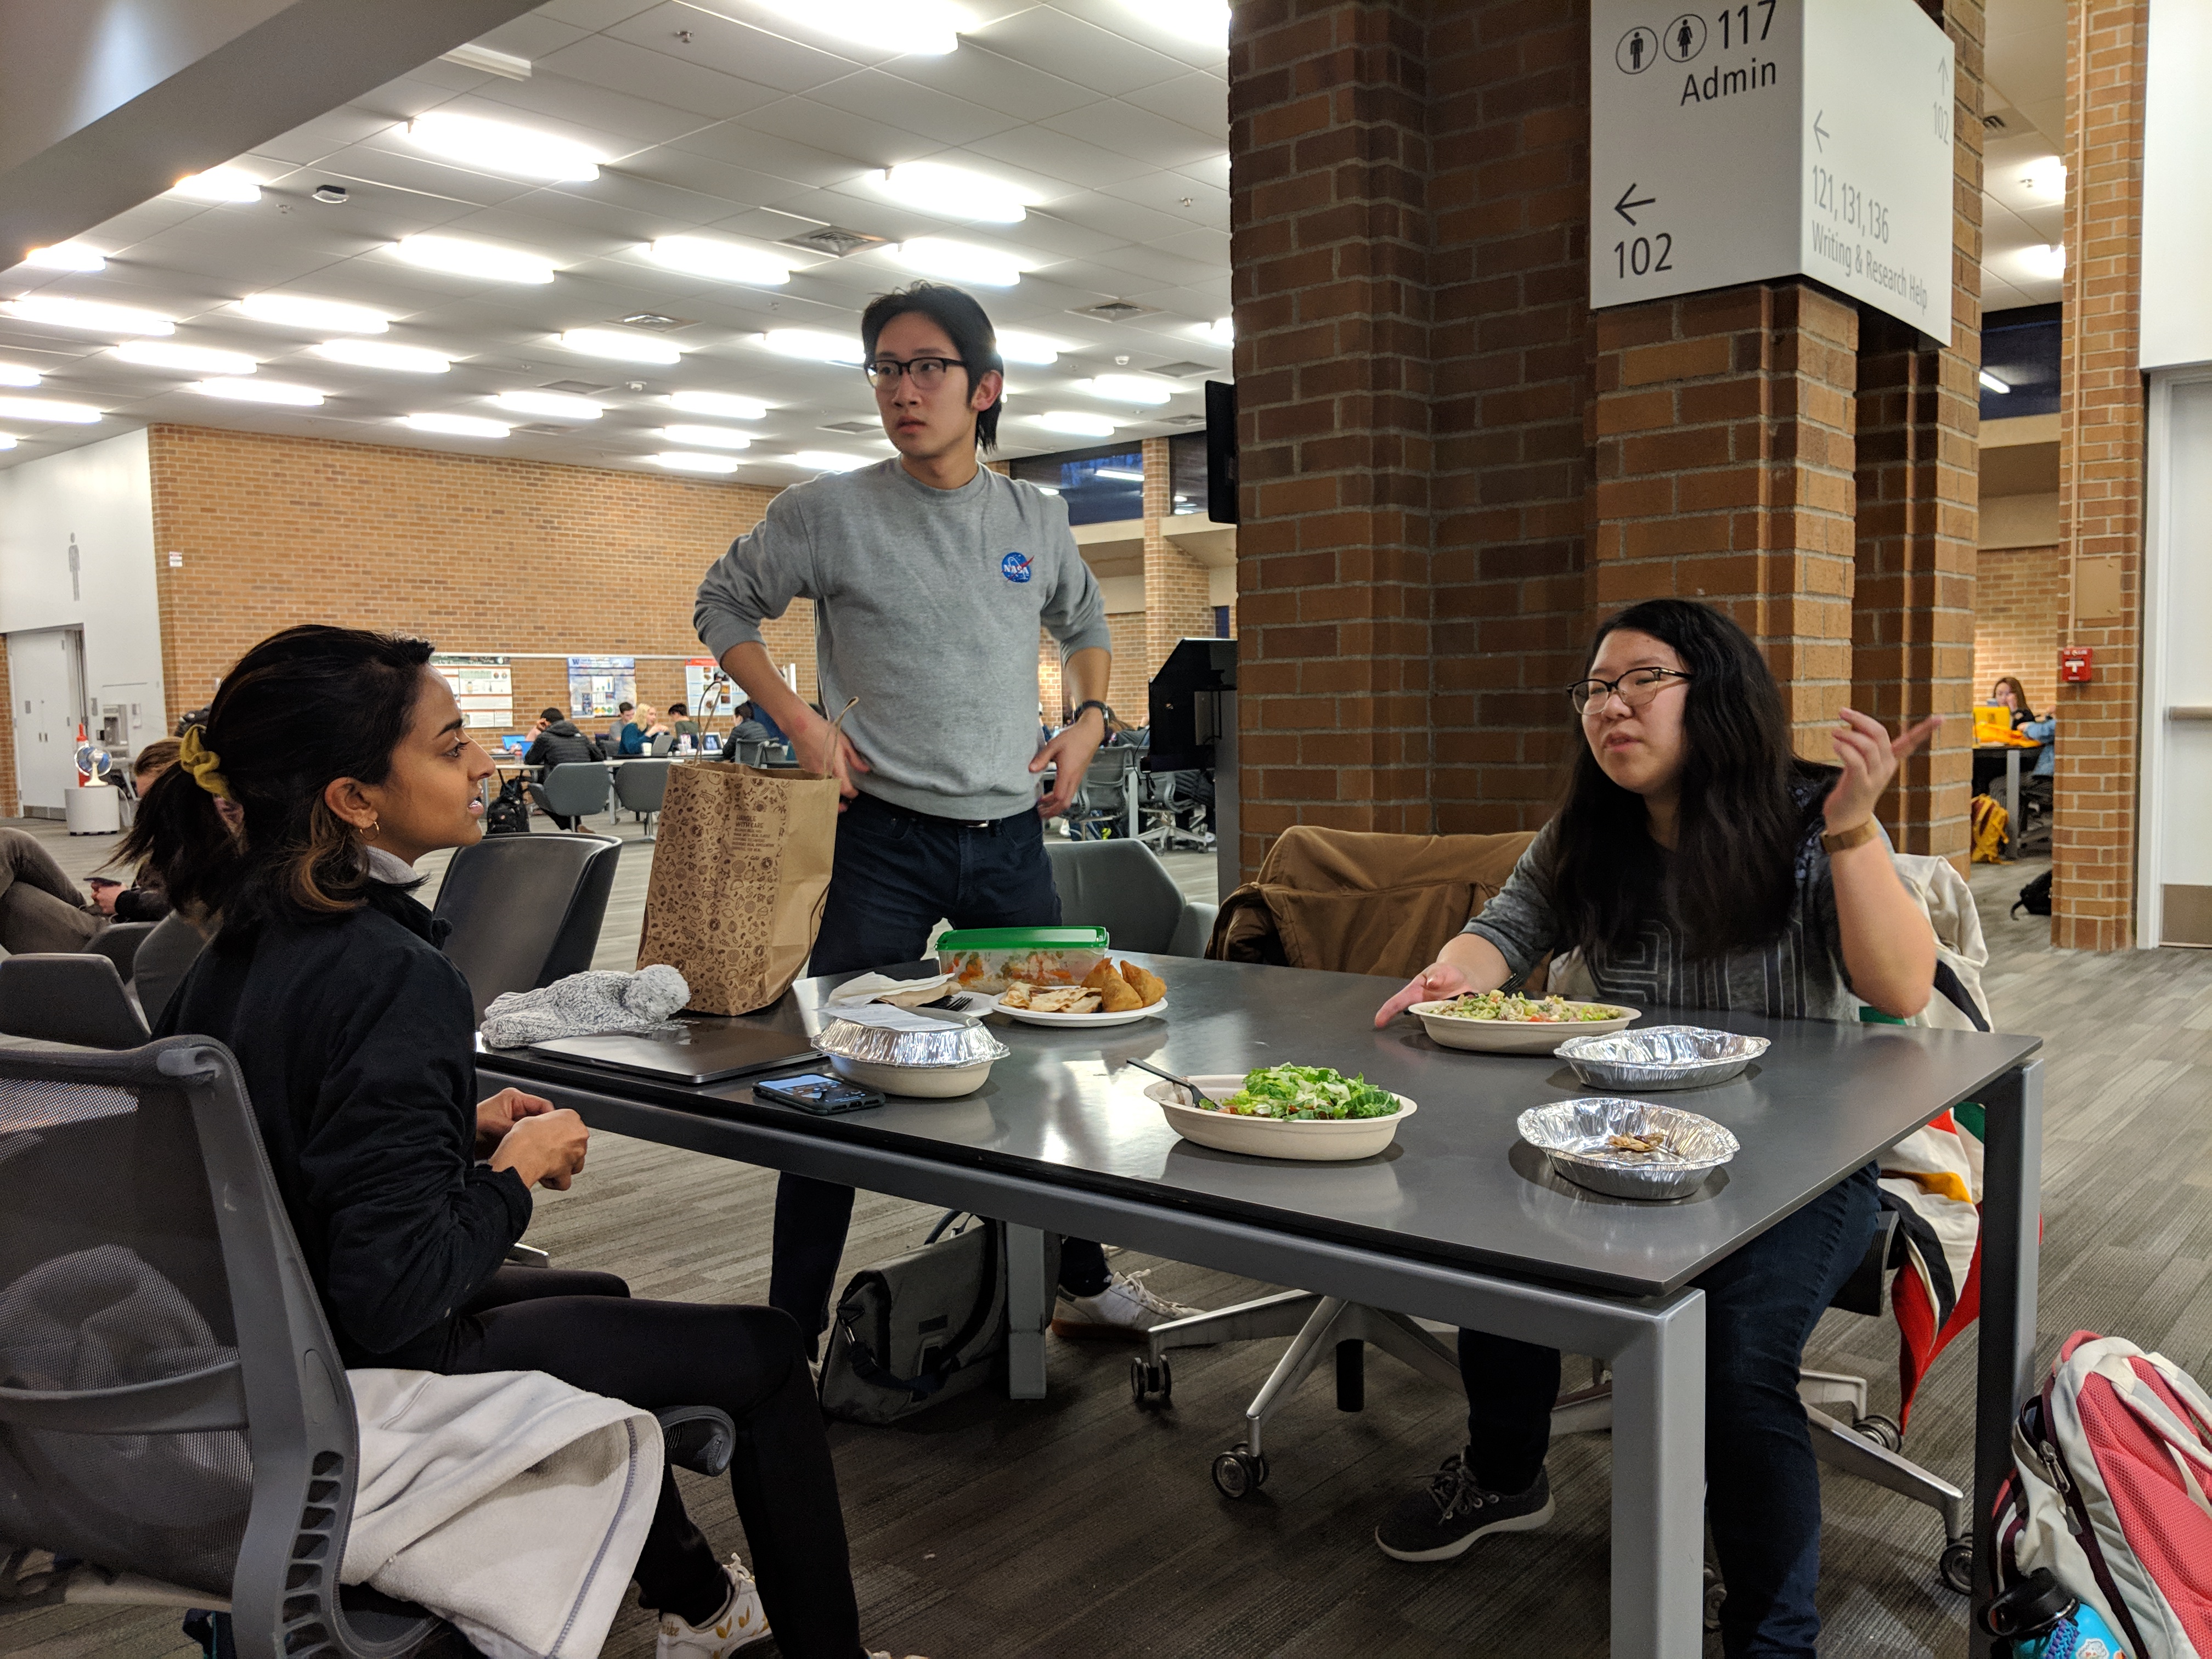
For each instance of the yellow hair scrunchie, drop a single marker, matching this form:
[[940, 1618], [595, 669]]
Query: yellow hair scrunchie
[[196, 759]]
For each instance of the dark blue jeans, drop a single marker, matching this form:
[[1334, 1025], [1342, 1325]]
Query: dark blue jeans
[[1762, 1485], [895, 873]]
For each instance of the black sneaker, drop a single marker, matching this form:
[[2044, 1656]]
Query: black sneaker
[[1445, 1518]]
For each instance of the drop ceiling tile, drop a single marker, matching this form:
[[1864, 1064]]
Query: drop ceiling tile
[[614, 123], [1197, 100], [678, 209], [603, 218], [595, 14], [1149, 263], [1060, 44], [1206, 246], [450, 77], [830, 131], [1063, 238], [1182, 197], [705, 180], [914, 108], [658, 77], [734, 48], [1131, 21], [985, 77], [1115, 124], [2049, 115], [1211, 171], [422, 177], [1057, 155], [748, 147], [1123, 221], [533, 35], [405, 99]]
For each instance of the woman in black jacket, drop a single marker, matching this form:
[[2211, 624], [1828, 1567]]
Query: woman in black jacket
[[345, 760]]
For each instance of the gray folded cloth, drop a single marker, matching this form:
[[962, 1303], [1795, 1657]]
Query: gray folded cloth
[[584, 1005]]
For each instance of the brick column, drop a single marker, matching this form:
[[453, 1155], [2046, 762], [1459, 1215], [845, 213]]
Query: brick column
[[1329, 237], [2100, 471], [1919, 422], [1177, 602], [1725, 473]]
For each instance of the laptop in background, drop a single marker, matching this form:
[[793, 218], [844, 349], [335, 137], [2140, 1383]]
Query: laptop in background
[[694, 1053]]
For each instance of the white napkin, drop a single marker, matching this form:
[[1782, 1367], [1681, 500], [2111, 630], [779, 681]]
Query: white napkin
[[868, 988]]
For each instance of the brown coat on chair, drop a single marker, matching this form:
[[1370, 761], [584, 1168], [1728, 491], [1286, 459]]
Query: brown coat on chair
[[1354, 902]]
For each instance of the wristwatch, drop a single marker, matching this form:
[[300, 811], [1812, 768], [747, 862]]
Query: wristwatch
[[1105, 715], [1842, 841]]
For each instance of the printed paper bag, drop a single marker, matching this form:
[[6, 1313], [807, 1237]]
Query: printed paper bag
[[741, 870]]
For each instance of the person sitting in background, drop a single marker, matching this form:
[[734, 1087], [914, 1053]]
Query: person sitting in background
[[143, 900], [558, 743], [754, 725], [2007, 693], [346, 758], [639, 731], [39, 909]]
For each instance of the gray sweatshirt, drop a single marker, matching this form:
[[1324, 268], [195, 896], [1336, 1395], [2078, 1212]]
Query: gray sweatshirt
[[927, 604]]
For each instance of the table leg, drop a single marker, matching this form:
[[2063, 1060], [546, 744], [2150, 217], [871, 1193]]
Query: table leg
[[1028, 1312], [2012, 798], [1659, 1488], [2012, 1180]]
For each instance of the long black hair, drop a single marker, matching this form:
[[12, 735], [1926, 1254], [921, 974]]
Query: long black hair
[[1746, 804], [300, 710]]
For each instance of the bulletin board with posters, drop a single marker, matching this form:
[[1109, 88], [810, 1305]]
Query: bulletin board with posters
[[482, 686], [600, 686], [708, 698]]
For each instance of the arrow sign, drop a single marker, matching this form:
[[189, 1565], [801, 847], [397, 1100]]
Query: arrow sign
[[1820, 132], [1622, 206]]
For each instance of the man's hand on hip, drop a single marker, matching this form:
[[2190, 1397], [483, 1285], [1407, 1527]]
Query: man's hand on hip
[[825, 750], [1071, 751]]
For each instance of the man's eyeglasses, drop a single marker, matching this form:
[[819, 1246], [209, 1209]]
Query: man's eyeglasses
[[1635, 690], [927, 374]]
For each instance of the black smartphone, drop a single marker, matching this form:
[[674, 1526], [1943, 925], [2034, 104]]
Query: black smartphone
[[812, 1091]]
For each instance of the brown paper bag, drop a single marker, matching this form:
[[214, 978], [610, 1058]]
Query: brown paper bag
[[740, 872]]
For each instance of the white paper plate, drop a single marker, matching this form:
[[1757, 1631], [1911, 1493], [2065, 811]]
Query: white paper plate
[[1515, 1037], [1080, 1021], [1317, 1140]]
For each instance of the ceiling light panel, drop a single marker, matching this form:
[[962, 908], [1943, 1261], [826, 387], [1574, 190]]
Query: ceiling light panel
[[959, 262], [382, 354], [1200, 22], [223, 184], [37, 410], [723, 262], [825, 460], [678, 460], [1019, 346], [192, 359], [502, 146], [461, 257], [67, 255], [93, 316], [458, 426], [952, 192], [622, 345], [1127, 389], [300, 311], [818, 344], [729, 407], [22, 375], [929, 28], [706, 437], [259, 391], [1076, 423], [483, 58], [7, 441], [550, 405]]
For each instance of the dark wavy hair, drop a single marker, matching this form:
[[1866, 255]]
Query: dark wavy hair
[[300, 710], [1746, 804], [965, 324]]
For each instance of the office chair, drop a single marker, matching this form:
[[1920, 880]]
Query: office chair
[[211, 1459], [1166, 799], [640, 786], [574, 789], [118, 942], [526, 909], [1122, 886], [1101, 806], [76, 998]]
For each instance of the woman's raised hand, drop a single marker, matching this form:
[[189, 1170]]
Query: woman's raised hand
[[1870, 758], [1434, 983]]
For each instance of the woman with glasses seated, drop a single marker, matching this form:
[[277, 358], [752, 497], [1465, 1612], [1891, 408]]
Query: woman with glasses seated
[[331, 761], [1696, 863]]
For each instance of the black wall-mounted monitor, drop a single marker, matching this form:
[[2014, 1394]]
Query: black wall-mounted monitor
[[1221, 500], [1186, 704]]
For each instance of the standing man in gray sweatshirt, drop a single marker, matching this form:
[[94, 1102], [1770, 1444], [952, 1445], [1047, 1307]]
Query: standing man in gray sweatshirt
[[930, 576]]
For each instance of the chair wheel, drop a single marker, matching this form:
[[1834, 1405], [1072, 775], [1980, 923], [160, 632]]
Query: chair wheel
[[1956, 1567], [1239, 1473], [1715, 1592], [1148, 1380], [1882, 1431]]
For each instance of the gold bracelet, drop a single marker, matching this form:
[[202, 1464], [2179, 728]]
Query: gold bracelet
[[1842, 841]]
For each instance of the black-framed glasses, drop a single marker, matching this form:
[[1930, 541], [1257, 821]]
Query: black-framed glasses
[[927, 374], [1635, 687]]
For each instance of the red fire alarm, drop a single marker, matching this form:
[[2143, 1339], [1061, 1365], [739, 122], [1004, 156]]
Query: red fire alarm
[[2074, 666]]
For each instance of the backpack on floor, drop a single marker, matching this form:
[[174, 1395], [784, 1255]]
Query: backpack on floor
[[510, 815], [2112, 1489], [2035, 898]]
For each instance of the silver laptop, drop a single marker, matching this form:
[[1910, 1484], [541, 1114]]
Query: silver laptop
[[695, 1053]]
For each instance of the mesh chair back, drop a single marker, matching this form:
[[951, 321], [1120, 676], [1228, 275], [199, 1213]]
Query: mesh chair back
[[640, 784], [526, 909], [1119, 885], [77, 998], [573, 788], [171, 1400]]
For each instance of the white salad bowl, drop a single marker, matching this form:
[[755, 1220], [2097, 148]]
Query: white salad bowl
[[1315, 1140], [1515, 1037]]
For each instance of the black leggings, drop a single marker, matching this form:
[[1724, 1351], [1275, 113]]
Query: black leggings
[[584, 1329]]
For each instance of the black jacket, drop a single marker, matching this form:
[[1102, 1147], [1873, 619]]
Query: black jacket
[[356, 1036], [561, 743]]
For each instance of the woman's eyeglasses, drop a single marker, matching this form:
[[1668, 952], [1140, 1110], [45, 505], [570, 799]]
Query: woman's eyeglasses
[[1635, 690], [927, 374]]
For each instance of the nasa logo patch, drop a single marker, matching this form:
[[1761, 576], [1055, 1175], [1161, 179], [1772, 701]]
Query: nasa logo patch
[[1015, 567]]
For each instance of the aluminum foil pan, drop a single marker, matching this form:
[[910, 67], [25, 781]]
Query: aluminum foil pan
[[1575, 1133], [969, 1043], [1660, 1057]]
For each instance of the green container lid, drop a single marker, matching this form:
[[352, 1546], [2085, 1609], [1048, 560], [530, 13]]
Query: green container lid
[[1024, 939]]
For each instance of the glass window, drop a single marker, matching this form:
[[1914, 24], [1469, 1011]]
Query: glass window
[[1099, 485], [1187, 473]]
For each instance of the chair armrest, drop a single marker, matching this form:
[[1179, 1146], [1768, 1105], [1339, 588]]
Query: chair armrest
[[1192, 930]]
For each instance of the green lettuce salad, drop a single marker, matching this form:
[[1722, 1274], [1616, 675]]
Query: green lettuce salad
[[1307, 1093]]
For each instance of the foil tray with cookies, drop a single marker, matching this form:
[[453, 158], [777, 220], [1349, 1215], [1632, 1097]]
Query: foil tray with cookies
[[1107, 996]]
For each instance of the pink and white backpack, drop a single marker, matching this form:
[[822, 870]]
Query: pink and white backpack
[[2113, 1491]]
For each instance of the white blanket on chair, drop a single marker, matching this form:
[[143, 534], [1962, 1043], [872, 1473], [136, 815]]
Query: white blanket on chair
[[509, 1503]]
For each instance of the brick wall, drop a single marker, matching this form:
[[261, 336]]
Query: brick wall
[[1128, 691], [475, 553], [2019, 621], [2100, 470]]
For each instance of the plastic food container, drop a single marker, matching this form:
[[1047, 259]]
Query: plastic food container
[[992, 958], [927, 1065], [1575, 1133]]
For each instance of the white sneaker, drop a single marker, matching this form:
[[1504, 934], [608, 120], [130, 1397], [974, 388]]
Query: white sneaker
[[740, 1623], [1127, 1306]]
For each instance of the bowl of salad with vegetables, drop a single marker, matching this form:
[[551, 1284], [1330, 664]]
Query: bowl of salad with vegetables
[[1304, 1112], [1507, 1023]]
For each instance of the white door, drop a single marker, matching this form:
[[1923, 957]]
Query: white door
[[45, 676], [2177, 715]]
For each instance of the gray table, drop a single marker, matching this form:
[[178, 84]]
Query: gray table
[[1458, 1222]]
